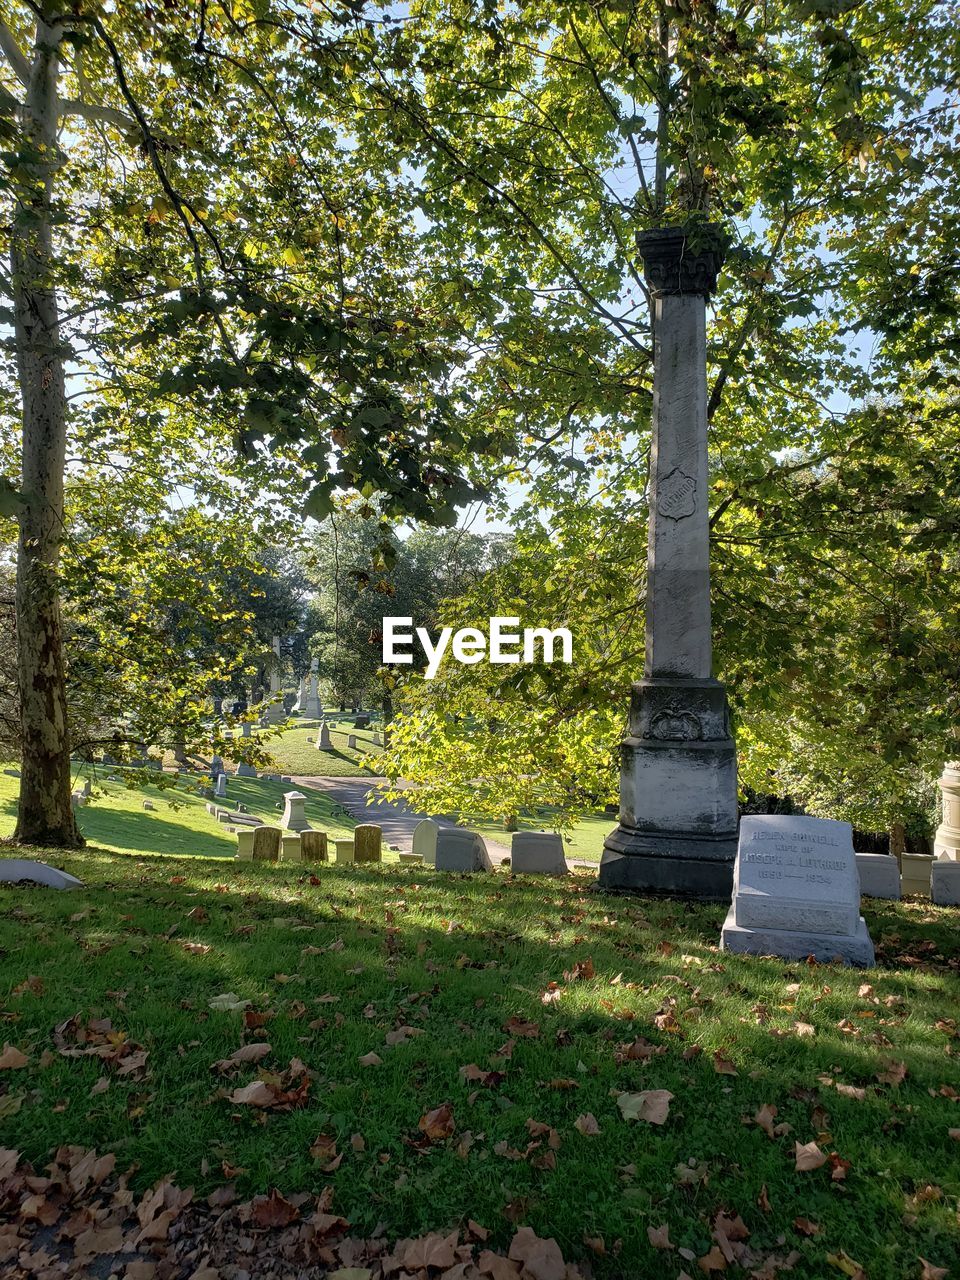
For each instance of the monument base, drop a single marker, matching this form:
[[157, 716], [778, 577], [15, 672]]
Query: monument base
[[678, 794], [646, 862], [789, 944]]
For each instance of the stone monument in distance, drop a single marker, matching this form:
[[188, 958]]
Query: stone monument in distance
[[678, 780], [796, 892]]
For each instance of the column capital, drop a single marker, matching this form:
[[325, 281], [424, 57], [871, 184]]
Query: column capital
[[682, 260]]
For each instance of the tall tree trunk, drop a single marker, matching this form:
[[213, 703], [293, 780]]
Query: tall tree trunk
[[46, 815]]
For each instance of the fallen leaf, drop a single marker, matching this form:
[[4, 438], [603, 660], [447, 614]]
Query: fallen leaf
[[272, 1210], [843, 1262], [895, 1073], [659, 1237], [808, 1156], [805, 1226], [723, 1066], [587, 1125], [541, 1259], [12, 1059], [371, 1060], [227, 1002], [521, 1029], [246, 1053], [765, 1118], [438, 1123], [931, 1272], [651, 1105]]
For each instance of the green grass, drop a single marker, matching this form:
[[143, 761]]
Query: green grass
[[295, 755], [585, 842], [179, 824], [455, 958]]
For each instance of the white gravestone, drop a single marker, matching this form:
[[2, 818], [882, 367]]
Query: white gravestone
[[324, 742], [294, 818], [796, 892], [537, 853], [20, 870], [945, 882], [245, 845], [879, 875], [459, 850], [425, 841], [220, 786], [351, 742]]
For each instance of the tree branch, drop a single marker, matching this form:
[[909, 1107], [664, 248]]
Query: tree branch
[[96, 114], [14, 54]]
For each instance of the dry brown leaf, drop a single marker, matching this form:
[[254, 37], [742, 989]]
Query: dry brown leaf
[[659, 1237], [931, 1272], [273, 1210], [541, 1259], [520, 1029], [808, 1156], [895, 1073], [765, 1118], [712, 1261], [246, 1053], [587, 1125], [652, 1105], [723, 1066], [805, 1226], [437, 1124], [11, 1059], [496, 1266], [371, 1060]]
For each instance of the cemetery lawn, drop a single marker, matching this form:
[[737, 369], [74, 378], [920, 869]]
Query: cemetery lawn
[[444, 1049], [179, 823], [296, 756]]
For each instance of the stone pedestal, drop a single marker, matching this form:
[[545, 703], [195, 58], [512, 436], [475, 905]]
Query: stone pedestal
[[946, 842], [294, 818], [678, 780]]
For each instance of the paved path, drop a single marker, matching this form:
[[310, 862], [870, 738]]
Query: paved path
[[397, 821]]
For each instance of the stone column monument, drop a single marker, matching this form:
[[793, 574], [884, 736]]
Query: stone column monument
[[946, 841], [274, 713], [678, 785], [311, 709]]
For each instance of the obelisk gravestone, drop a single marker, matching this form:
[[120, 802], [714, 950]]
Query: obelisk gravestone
[[678, 788]]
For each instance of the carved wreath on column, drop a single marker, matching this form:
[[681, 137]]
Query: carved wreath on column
[[675, 723]]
